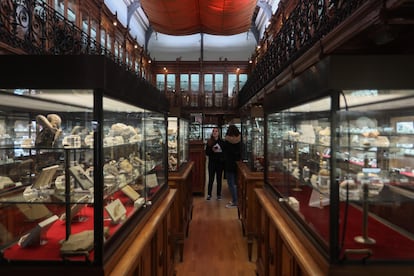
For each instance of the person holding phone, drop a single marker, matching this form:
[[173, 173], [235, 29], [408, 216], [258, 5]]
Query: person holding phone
[[214, 151]]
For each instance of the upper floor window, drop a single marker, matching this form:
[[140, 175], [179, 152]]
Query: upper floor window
[[60, 6], [137, 67], [71, 11], [117, 49], [160, 82], [108, 42], [67, 8], [195, 82], [128, 59], [232, 85], [103, 37], [218, 83], [89, 26], [242, 80], [171, 82], [184, 82], [208, 83], [93, 29], [85, 23]]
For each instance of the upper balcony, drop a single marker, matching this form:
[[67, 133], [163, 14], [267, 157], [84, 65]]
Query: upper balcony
[[304, 32], [301, 33]]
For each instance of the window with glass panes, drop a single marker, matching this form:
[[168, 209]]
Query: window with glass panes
[[218, 83], [208, 83], [195, 82], [242, 80], [231, 84], [67, 8], [160, 79], [184, 84], [171, 82]]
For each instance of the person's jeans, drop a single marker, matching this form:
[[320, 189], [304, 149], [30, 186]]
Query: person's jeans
[[232, 182]]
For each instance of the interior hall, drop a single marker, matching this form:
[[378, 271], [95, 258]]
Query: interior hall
[[215, 137]]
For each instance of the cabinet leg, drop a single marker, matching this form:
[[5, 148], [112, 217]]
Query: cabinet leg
[[187, 229], [181, 249], [249, 247]]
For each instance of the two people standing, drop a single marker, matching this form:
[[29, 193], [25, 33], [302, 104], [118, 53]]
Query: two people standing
[[223, 155]]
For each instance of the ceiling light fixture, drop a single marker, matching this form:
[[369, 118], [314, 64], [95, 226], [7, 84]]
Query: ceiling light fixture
[[115, 20]]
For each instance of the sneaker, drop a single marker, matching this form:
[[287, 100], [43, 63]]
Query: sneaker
[[230, 203], [231, 206], [218, 197], [208, 197]]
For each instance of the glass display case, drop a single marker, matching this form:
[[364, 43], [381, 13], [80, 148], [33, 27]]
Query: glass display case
[[195, 131], [341, 164], [252, 129], [76, 165], [178, 129]]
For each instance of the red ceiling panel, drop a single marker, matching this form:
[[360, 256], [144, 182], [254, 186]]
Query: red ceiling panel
[[185, 17]]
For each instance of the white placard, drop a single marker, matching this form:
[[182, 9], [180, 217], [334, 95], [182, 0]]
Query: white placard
[[151, 180], [116, 210]]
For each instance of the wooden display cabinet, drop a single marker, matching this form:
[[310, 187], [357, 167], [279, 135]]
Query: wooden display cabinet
[[282, 249], [136, 230], [183, 207], [247, 181], [344, 155], [150, 247], [197, 154]]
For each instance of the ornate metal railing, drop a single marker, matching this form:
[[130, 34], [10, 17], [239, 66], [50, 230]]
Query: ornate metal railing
[[36, 28], [306, 25]]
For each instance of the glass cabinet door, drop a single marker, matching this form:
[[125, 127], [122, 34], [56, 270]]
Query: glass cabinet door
[[183, 141], [178, 131], [374, 159], [298, 142], [253, 143], [173, 144]]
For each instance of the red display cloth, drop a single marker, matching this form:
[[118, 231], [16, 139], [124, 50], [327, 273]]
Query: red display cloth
[[390, 244], [186, 17], [57, 232]]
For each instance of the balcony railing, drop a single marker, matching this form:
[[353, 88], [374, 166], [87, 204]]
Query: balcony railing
[[33, 27], [304, 27], [36, 28], [202, 101]]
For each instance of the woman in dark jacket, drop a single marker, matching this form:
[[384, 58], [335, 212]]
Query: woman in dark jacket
[[214, 151], [232, 153]]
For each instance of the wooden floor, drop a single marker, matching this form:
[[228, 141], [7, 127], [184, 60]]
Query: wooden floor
[[215, 244]]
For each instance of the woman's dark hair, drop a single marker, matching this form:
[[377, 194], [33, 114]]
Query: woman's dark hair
[[233, 131]]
